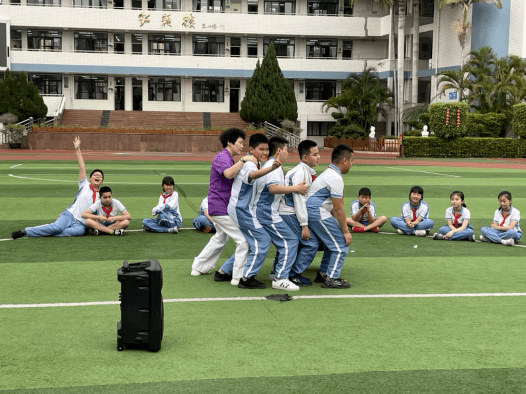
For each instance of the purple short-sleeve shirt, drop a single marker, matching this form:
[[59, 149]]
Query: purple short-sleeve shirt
[[220, 187]]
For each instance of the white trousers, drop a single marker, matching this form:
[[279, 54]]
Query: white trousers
[[226, 228]]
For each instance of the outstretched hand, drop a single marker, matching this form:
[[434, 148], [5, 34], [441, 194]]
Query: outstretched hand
[[76, 142]]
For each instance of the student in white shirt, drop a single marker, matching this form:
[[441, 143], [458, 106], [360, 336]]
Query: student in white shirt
[[505, 227], [107, 215], [167, 210], [415, 215], [458, 217], [203, 222], [70, 222]]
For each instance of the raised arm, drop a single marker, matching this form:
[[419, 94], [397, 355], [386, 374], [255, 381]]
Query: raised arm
[[80, 159]]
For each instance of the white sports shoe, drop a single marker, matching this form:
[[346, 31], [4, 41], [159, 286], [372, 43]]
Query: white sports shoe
[[195, 272], [483, 238], [420, 233], [174, 230], [234, 282], [508, 242], [401, 232], [284, 284]]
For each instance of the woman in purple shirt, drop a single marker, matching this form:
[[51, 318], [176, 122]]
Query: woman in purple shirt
[[222, 175]]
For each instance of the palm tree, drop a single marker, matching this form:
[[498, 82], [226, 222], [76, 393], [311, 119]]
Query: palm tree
[[463, 28], [455, 79]]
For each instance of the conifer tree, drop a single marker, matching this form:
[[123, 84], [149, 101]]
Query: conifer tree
[[269, 95], [20, 97]]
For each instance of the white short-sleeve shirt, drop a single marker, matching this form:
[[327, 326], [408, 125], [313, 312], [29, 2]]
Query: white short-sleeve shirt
[[422, 210], [116, 208], [464, 215], [356, 206], [513, 216], [83, 200], [267, 204], [327, 186]]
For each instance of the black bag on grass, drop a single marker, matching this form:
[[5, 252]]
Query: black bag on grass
[[142, 310]]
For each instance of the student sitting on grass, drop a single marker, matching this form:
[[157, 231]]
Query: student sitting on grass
[[505, 226], [415, 213], [203, 222], [107, 215], [363, 214], [457, 216], [70, 222], [167, 210]]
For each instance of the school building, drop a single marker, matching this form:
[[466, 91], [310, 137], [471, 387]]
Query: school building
[[196, 55]]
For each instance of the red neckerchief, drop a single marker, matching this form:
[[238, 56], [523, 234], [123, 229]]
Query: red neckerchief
[[363, 215], [414, 213], [107, 211], [94, 192], [313, 177], [166, 196], [504, 217], [259, 165], [456, 219]]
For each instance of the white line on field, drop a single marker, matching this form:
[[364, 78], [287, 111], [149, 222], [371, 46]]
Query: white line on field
[[348, 296], [16, 165], [425, 172], [107, 183]]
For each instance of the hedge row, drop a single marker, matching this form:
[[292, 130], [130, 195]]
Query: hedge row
[[464, 147]]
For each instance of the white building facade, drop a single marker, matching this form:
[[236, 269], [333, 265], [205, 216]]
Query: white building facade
[[196, 55]]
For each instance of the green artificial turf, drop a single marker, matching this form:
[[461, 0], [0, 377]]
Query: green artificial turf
[[377, 344]]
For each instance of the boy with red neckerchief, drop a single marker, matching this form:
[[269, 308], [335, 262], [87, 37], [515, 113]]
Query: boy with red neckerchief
[[107, 215], [167, 210], [70, 223]]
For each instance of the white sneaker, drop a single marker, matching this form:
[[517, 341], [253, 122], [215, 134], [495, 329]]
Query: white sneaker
[[284, 284], [174, 230], [420, 233], [508, 242], [483, 238], [195, 272], [234, 282], [401, 232]]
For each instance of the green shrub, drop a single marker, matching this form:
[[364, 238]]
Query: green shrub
[[486, 125], [464, 147], [438, 119], [412, 133], [518, 124]]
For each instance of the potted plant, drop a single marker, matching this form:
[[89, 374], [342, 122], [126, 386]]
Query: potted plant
[[8, 119], [14, 134]]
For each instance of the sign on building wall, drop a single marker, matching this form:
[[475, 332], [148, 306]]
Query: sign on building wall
[[452, 95]]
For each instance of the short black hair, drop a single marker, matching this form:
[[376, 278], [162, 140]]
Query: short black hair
[[305, 146], [257, 139], [104, 189], [275, 143], [231, 135], [416, 189], [505, 193], [340, 152], [168, 180], [96, 170], [364, 191]]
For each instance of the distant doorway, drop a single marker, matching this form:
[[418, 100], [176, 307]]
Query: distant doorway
[[119, 93], [234, 95], [137, 94]]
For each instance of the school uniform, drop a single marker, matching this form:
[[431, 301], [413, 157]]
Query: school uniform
[[70, 223], [325, 187], [457, 219], [113, 210], [293, 211], [364, 217], [241, 211], [266, 207], [168, 214], [409, 211], [499, 218], [201, 221], [219, 192]]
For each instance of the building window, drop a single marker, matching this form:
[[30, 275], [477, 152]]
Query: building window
[[44, 40], [91, 87], [16, 39], [208, 90], [90, 3], [216, 5], [172, 5], [209, 45], [151, 4], [47, 84], [89, 41], [165, 44], [325, 7], [252, 47], [319, 90], [136, 4], [319, 128], [235, 46], [347, 50], [118, 43], [322, 48], [252, 6], [284, 46], [164, 89], [136, 43], [45, 3], [196, 5], [347, 10], [280, 7]]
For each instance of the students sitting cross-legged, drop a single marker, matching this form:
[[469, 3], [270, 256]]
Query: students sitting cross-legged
[[167, 210], [107, 215]]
